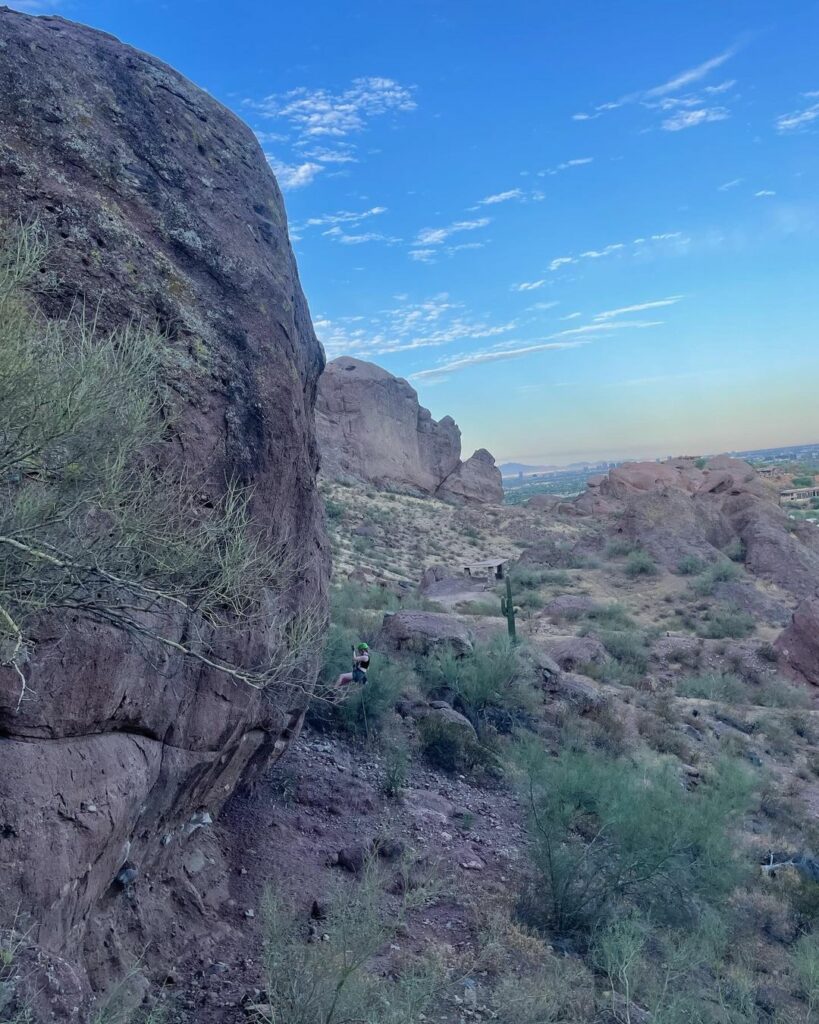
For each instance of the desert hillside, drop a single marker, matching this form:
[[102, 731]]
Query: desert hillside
[[299, 723]]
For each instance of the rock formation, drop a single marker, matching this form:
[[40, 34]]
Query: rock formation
[[798, 645], [158, 204], [372, 428], [675, 509]]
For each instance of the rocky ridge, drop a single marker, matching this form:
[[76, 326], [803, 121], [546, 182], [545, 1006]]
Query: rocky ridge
[[372, 428]]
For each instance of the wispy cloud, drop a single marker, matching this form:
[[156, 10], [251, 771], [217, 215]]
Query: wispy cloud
[[566, 165], [764, 193], [317, 124], [640, 307], [640, 246], [731, 184], [606, 326], [799, 120], [501, 197], [437, 236], [691, 118], [528, 286], [490, 356], [428, 244], [695, 109], [695, 74], [319, 112], [408, 326], [572, 316], [293, 176], [352, 218], [338, 234]]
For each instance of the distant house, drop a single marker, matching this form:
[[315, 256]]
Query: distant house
[[799, 493]]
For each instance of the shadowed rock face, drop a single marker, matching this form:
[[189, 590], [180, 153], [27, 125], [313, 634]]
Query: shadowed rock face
[[371, 427], [158, 204]]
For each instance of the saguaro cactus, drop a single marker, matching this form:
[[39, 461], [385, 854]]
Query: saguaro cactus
[[508, 609]]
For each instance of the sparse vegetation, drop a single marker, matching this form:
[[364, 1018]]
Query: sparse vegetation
[[724, 622], [690, 565], [640, 563], [604, 836], [331, 981]]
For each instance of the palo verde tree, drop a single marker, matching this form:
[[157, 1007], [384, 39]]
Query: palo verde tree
[[91, 525]]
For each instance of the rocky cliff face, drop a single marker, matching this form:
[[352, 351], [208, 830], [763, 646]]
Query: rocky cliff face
[[371, 427], [158, 204]]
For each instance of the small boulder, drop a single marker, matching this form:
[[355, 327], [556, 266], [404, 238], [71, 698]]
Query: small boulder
[[573, 652], [569, 606]]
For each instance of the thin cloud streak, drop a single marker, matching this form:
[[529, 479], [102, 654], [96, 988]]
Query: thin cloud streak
[[492, 356]]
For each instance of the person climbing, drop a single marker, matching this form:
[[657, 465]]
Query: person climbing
[[361, 662]]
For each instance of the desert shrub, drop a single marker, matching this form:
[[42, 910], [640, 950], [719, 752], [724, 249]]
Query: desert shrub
[[334, 510], [492, 684], [701, 463], [690, 565], [604, 834], [726, 622], [620, 547], [90, 522], [776, 692], [554, 992], [720, 572], [806, 968], [803, 481], [640, 563], [629, 650], [330, 982], [719, 686], [661, 736], [610, 616], [396, 770]]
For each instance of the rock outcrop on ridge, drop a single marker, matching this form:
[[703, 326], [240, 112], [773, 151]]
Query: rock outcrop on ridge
[[158, 204], [372, 428]]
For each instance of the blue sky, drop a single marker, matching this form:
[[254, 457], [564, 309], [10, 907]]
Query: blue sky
[[583, 229]]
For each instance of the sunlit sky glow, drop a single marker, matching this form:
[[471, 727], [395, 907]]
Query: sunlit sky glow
[[583, 229]]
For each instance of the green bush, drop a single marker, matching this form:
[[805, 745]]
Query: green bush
[[640, 563], [396, 770], [803, 481], [334, 510], [715, 686], [725, 622], [493, 683], [332, 981], [630, 652], [690, 565], [610, 616], [604, 834], [720, 572], [620, 548]]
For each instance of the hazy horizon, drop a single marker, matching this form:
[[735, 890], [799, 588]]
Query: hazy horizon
[[581, 230]]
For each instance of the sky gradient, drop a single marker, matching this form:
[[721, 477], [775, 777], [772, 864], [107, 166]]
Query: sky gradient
[[584, 230]]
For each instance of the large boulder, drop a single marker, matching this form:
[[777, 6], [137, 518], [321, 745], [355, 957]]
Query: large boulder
[[798, 644], [422, 633], [158, 204], [372, 428], [477, 481]]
